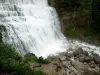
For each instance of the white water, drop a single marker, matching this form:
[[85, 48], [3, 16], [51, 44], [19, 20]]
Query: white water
[[33, 26]]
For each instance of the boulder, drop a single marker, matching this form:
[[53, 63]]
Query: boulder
[[63, 58], [97, 59], [95, 55], [78, 52], [85, 53], [92, 65], [64, 53], [66, 64], [69, 55], [52, 58], [81, 59], [79, 66], [49, 69], [88, 59], [70, 72]]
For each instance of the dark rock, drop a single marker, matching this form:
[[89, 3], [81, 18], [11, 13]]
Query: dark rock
[[95, 55], [69, 55], [71, 73], [92, 64], [52, 58], [88, 59], [78, 52], [81, 59], [58, 67], [97, 60], [64, 53], [85, 53]]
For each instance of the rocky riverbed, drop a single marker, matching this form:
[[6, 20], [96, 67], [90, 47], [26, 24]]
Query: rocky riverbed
[[78, 62]]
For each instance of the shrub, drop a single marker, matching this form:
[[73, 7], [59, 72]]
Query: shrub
[[71, 31], [44, 61], [30, 57], [11, 62]]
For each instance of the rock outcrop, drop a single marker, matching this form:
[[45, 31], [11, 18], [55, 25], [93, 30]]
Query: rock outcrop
[[78, 62]]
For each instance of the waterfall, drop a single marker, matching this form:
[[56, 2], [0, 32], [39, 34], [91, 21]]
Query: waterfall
[[31, 26]]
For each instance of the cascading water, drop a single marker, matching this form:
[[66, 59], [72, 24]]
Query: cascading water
[[33, 26]]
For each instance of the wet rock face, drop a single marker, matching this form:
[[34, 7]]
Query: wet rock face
[[78, 62], [97, 60], [78, 52]]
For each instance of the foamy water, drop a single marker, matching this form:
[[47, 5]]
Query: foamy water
[[33, 26]]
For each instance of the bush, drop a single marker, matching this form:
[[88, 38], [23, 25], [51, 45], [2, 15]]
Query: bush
[[11, 62], [71, 31], [44, 61], [6, 51], [68, 5], [30, 57]]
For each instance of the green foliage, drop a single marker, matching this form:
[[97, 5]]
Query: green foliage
[[87, 31], [18, 68], [71, 31], [6, 51], [91, 9], [44, 61], [87, 9], [30, 57], [65, 4], [11, 62]]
